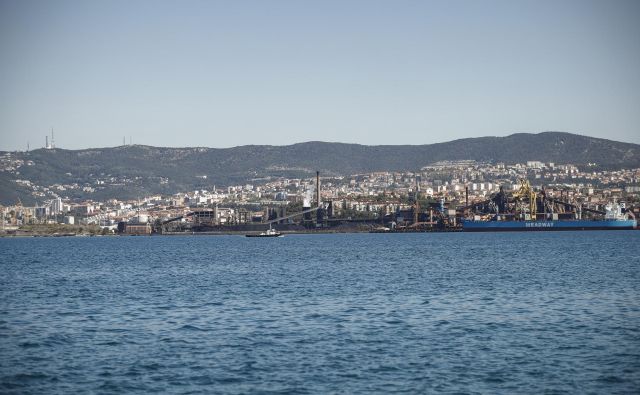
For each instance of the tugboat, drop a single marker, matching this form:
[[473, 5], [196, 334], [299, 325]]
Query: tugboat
[[269, 233]]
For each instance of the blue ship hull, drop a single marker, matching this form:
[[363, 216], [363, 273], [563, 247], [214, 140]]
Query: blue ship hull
[[510, 226]]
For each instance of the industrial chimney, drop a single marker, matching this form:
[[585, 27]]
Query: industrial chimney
[[318, 188], [466, 195]]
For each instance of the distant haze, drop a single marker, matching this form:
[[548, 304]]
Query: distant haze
[[228, 73]]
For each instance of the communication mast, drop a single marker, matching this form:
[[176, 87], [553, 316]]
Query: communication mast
[[47, 144]]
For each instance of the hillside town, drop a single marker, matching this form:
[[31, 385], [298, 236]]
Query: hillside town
[[448, 185]]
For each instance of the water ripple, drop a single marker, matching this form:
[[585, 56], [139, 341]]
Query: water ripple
[[412, 313]]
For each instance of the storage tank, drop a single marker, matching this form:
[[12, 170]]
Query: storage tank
[[140, 219]]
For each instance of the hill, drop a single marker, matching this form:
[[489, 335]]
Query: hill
[[133, 171]]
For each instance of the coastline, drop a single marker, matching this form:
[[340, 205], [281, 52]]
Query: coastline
[[24, 234]]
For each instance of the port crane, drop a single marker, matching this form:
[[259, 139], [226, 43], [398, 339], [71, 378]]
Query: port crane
[[526, 195], [527, 201]]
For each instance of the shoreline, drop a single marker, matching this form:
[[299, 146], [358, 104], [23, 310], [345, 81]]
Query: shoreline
[[222, 233]]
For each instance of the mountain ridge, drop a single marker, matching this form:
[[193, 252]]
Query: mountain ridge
[[140, 169]]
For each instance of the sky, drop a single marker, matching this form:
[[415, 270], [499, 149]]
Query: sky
[[227, 73]]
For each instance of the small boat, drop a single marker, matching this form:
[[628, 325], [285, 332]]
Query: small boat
[[268, 233]]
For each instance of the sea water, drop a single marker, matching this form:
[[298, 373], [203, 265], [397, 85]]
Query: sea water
[[329, 313]]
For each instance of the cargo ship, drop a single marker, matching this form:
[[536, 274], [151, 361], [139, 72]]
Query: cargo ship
[[547, 225], [527, 210]]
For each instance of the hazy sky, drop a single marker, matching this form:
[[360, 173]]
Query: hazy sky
[[226, 73]]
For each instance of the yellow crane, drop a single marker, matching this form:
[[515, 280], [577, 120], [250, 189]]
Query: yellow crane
[[526, 193]]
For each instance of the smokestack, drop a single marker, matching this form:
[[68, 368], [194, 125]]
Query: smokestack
[[318, 188], [46, 141]]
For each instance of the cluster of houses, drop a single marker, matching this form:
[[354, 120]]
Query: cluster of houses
[[375, 194]]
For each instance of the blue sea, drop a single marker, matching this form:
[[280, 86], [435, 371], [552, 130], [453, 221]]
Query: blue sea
[[506, 313]]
